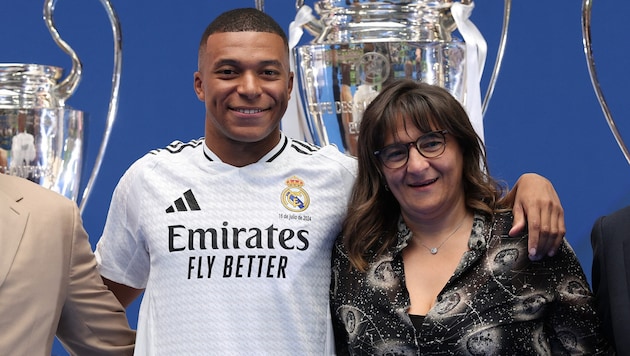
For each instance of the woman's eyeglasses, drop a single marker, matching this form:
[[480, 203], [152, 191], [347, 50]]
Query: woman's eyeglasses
[[430, 145]]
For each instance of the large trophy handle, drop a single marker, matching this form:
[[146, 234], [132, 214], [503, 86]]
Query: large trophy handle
[[70, 83], [499, 58], [67, 87], [588, 52]]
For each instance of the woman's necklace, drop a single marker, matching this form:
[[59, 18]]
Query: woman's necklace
[[434, 250]]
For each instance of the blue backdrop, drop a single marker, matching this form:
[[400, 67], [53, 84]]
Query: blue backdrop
[[543, 117]]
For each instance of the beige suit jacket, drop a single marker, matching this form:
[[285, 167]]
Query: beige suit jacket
[[49, 283]]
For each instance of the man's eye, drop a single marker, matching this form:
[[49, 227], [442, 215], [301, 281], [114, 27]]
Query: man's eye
[[270, 73], [225, 71]]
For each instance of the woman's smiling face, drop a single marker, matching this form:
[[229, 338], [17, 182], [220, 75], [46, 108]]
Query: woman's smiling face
[[425, 187]]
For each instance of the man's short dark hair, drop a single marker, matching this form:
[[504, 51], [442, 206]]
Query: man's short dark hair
[[243, 20]]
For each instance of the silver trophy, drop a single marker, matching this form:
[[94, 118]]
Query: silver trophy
[[41, 138], [360, 45], [587, 6]]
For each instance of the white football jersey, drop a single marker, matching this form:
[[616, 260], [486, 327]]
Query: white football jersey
[[234, 260]]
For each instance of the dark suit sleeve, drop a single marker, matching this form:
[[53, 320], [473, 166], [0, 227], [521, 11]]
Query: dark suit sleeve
[[92, 321], [610, 239], [600, 279]]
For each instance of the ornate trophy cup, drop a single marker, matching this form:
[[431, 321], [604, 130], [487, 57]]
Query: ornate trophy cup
[[41, 139], [588, 52], [360, 45]]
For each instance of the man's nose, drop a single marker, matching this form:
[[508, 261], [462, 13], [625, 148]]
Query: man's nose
[[249, 85]]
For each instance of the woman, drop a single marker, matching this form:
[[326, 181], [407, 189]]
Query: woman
[[425, 264]]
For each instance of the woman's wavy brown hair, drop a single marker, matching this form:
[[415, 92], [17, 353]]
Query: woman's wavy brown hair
[[370, 226]]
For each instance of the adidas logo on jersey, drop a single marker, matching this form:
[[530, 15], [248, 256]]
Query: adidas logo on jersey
[[186, 203]]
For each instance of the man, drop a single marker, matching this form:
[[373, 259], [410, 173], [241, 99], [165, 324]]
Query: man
[[610, 239], [230, 236], [48, 279]]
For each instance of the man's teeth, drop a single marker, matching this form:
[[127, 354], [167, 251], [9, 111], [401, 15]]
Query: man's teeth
[[249, 111]]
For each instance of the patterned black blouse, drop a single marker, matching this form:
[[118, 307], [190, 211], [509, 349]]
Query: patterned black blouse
[[497, 302]]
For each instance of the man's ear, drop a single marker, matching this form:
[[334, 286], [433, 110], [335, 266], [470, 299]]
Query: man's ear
[[198, 86], [291, 79]]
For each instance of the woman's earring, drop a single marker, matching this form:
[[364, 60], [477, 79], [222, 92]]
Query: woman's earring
[[386, 187]]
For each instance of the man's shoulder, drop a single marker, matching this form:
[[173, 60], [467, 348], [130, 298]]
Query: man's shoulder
[[622, 214], [30, 193], [177, 148], [174, 152], [617, 221], [328, 152], [160, 161]]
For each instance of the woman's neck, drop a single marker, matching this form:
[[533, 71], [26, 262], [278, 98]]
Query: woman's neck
[[433, 230]]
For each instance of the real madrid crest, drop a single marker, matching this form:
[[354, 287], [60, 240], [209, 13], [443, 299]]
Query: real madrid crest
[[294, 197]]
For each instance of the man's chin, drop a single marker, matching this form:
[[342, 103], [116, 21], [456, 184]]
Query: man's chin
[[256, 135]]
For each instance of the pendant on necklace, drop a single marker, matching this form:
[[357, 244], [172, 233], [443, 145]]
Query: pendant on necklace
[[434, 250]]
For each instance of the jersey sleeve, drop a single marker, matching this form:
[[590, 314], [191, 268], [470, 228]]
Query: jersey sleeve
[[121, 252]]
